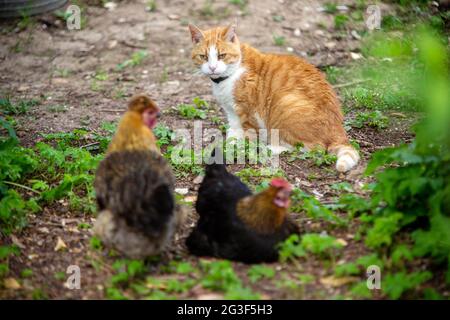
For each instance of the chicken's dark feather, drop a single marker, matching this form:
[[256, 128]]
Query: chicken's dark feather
[[137, 186], [220, 232]]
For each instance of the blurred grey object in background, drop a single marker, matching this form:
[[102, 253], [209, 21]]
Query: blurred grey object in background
[[19, 8]]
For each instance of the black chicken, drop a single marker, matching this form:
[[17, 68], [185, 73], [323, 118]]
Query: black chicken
[[235, 224]]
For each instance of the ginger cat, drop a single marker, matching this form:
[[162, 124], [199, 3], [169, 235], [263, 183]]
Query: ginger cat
[[272, 91]]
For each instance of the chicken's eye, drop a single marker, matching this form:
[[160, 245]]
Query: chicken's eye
[[202, 56], [222, 56]]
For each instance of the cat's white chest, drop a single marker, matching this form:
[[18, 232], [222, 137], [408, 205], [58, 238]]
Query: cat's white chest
[[224, 94]]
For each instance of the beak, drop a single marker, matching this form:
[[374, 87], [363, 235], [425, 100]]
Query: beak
[[282, 198]]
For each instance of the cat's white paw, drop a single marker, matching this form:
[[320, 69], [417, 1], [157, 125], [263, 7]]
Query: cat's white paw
[[276, 150], [345, 163], [347, 158]]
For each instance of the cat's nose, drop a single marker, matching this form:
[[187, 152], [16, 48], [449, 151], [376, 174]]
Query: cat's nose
[[212, 68]]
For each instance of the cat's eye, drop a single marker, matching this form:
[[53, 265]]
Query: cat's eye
[[222, 56], [202, 56]]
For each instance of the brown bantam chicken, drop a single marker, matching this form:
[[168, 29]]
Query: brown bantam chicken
[[134, 187], [235, 224]]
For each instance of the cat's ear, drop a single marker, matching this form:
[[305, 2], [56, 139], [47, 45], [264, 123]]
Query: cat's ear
[[230, 33], [196, 34]]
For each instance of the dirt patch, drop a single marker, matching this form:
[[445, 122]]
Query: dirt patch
[[62, 68]]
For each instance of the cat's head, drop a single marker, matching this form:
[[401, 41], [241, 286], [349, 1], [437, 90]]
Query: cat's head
[[216, 51]]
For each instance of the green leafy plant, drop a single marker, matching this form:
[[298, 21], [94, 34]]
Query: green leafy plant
[[126, 270], [164, 134], [57, 108], [101, 75], [279, 40], [319, 156], [127, 274], [374, 119], [268, 173], [190, 111], [330, 7], [391, 22], [291, 249], [136, 58], [20, 107], [26, 273], [220, 276], [39, 294], [395, 285], [277, 18], [104, 138], [245, 150], [14, 210], [359, 266], [320, 244], [207, 9], [17, 162], [170, 285], [185, 162], [301, 201], [5, 253], [340, 21], [412, 187], [63, 72], [316, 210], [240, 3], [258, 272], [151, 5], [342, 186], [180, 267], [353, 204], [242, 293], [114, 294], [333, 73], [96, 243], [347, 269]]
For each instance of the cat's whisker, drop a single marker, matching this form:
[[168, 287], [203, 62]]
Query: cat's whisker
[[258, 95], [197, 72]]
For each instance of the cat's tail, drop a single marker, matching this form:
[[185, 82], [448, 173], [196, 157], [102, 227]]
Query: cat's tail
[[347, 156]]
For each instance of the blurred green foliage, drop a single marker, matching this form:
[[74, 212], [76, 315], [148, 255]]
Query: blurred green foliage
[[52, 170], [414, 188]]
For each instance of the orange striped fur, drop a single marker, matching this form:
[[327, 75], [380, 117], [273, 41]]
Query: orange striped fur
[[272, 91]]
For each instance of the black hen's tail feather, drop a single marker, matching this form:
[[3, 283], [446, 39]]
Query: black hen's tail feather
[[219, 231], [215, 170], [198, 244], [237, 243]]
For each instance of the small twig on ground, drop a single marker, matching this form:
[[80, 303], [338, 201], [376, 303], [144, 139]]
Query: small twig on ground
[[100, 261], [324, 66], [328, 201], [21, 186], [296, 166], [53, 224], [132, 45], [90, 144], [342, 85], [288, 28]]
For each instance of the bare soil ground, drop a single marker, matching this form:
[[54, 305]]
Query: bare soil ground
[[57, 65]]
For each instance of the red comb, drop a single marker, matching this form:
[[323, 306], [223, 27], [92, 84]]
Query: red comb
[[280, 183]]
